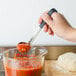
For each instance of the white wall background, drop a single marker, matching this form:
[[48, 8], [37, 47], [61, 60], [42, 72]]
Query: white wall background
[[19, 20]]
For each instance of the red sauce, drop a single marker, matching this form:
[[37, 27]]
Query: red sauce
[[24, 70], [25, 66], [23, 47]]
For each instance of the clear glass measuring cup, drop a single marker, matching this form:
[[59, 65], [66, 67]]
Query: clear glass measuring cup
[[28, 65]]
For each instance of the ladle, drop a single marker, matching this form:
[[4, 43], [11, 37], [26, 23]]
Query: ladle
[[38, 31]]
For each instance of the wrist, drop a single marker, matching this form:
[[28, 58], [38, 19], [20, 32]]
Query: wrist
[[71, 34]]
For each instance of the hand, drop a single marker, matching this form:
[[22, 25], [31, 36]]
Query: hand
[[56, 24]]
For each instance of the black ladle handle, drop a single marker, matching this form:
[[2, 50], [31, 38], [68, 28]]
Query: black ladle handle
[[49, 13]]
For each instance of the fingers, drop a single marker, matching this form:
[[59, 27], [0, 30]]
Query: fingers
[[50, 31], [47, 19], [40, 19], [56, 15], [45, 28]]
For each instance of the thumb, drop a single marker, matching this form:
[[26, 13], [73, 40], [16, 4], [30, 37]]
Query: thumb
[[48, 19]]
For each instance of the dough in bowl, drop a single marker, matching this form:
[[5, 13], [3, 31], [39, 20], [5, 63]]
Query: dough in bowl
[[67, 61]]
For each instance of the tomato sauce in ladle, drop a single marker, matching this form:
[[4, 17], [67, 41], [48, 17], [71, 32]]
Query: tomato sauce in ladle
[[23, 47]]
